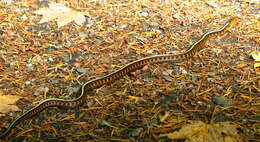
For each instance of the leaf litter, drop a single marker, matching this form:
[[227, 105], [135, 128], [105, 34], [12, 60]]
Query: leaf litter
[[120, 32]]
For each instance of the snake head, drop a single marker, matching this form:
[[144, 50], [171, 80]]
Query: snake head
[[233, 21]]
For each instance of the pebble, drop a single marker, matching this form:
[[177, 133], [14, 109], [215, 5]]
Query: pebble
[[41, 88], [50, 59], [144, 13], [29, 81], [245, 119], [165, 73], [212, 4], [222, 101], [183, 71], [82, 34], [53, 81], [212, 69], [30, 66], [177, 16], [66, 59], [12, 63], [210, 79], [36, 94], [136, 131], [89, 23], [219, 87], [194, 79], [167, 78], [155, 24], [124, 26], [143, 39], [81, 70], [150, 51]]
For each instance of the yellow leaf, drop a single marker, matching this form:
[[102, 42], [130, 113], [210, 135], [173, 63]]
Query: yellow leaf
[[256, 57], [7, 103], [61, 13], [256, 65]]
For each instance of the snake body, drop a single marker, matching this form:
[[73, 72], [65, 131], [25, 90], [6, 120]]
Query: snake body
[[86, 87]]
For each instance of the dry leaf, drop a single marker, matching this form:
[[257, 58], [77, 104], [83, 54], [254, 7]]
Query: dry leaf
[[198, 131], [256, 57], [7, 102], [61, 13]]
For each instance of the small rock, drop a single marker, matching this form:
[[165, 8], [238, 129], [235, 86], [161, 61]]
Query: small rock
[[167, 78], [12, 63], [82, 34], [144, 13], [41, 88], [177, 16], [212, 69], [81, 70], [66, 59], [222, 101], [210, 79], [183, 71], [245, 119], [219, 87], [155, 24], [53, 81], [36, 94], [30, 66], [50, 59], [150, 51], [136, 131], [212, 4], [89, 23], [165, 73], [27, 82], [194, 78], [124, 26], [143, 39]]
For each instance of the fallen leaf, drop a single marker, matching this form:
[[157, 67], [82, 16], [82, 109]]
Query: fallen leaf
[[7, 103], [197, 131], [61, 13], [256, 57]]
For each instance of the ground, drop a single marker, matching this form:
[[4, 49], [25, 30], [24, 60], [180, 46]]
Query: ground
[[219, 84]]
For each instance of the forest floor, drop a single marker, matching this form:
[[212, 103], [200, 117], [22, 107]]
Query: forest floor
[[212, 97]]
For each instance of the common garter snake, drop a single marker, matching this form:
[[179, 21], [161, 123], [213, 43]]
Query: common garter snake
[[82, 93]]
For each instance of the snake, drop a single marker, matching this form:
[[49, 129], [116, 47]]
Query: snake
[[128, 68]]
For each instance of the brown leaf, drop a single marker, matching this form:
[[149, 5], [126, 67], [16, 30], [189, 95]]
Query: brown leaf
[[199, 131], [7, 102]]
